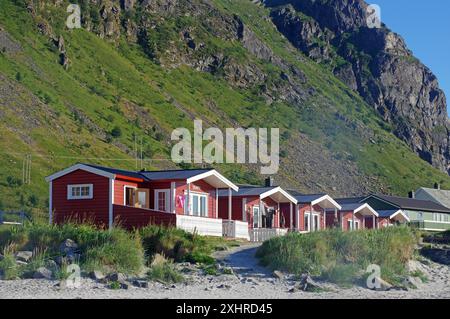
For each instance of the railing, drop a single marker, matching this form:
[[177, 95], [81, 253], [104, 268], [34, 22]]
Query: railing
[[235, 229], [12, 218], [263, 234], [201, 225], [131, 217]]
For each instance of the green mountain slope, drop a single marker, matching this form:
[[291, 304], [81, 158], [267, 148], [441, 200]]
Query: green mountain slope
[[145, 84]]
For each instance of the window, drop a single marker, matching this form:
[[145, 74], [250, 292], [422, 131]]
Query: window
[[84, 191], [129, 196], [199, 205], [316, 222], [356, 224], [349, 225], [162, 201], [306, 222]]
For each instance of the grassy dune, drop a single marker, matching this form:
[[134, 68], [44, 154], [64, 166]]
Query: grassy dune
[[342, 257]]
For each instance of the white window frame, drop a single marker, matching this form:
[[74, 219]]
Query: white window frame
[[191, 206], [167, 192], [258, 223], [81, 197], [311, 220], [350, 224], [125, 193]]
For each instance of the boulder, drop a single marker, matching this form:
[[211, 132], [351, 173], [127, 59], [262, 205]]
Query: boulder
[[96, 275], [117, 276], [278, 274], [382, 285], [412, 282], [24, 256], [42, 273], [140, 283], [307, 283], [68, 247]]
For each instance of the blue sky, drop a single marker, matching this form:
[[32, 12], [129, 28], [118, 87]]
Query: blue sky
[[425, 26]]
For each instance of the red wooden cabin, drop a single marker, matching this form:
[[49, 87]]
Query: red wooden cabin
[[184, 198]]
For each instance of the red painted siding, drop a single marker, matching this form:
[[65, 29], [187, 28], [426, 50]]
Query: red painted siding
[[251, 201], [95, 209], [346, 216], [119, 189], [131, 218]]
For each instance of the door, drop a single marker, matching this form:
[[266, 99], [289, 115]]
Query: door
[[255, 217], [316, 221], [162, 200]]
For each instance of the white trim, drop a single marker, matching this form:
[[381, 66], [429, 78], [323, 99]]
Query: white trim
[[125, 193], [373, 211], [80, 167], [199, 195], [173, 191], [167, 200], [311, 214], [434, 221], [401, 213], [72, 186], [50, 202], [258, 208], [111, 194], [278, 190], [326, 197], [244, 209], [213, 172]]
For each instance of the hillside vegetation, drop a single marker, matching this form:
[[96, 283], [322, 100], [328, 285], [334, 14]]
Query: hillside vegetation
[[123, 83]]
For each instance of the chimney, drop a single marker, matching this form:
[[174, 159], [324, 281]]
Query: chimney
[[411, 194], [269, 181], [437, 186]]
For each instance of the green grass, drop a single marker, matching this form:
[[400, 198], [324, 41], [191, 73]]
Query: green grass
[[163, 270], [179, 245], [342, 257], [106, 251]]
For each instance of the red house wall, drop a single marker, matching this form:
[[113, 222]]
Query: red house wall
[[95, 209], [346, 216], [119, 190], [304, 208]]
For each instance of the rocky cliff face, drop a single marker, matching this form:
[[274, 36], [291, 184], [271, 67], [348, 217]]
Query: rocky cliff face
[[376, 63]]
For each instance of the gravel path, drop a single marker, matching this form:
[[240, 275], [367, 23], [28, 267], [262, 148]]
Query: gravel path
[[248, 281]]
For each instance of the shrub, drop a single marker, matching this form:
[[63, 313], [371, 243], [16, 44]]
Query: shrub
[[8, 268], [116, 250], [341, 257], [116, 132], [163, 270]]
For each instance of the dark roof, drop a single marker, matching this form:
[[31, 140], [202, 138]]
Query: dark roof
[[386, 213], [173, 174], [350, 206], [153, 175], [132, 174], [247, 191], [350, 200], [304, 198], [412, 203]]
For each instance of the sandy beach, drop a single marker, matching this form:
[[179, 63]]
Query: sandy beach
[[248, 281]]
